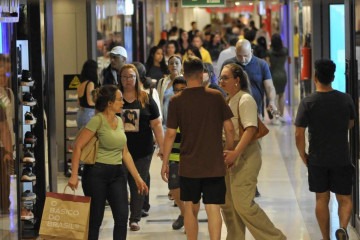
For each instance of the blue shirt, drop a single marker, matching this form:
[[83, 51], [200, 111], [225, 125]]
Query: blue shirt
[[257, 71]]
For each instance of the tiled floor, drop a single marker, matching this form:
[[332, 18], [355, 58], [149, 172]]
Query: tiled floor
[[284, 197]]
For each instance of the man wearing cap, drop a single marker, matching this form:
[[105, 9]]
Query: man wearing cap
[[118, 56]]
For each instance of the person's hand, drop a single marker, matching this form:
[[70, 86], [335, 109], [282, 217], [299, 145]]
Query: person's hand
[[160, 154], [165, 172], [272, 108], [229, 158], [142, 187], [73, 182]]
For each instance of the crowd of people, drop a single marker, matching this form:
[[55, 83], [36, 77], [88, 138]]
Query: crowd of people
[[141, 107]]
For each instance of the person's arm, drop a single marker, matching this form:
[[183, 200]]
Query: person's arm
[[168, 143], [300, 143], [159, 134], [89, 96], [81, 141], [129, 163], [229, 134], [245, 139], [270, 93]]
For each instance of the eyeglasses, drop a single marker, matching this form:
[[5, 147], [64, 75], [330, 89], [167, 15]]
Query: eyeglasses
[[224, 78], [131, 77]]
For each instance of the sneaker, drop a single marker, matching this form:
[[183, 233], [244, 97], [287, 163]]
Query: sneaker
[[73, 96], [29, 224], [28, 157], [27, 175], [26, 214], [29, 138], [70, 149], [72, 109], [71, 138], [26, 79], [275, 121], [144, 213], [134, 226], [341, 234], [282, 119], [28, 195], [71, 123], [28, 99], [179, 223], [29, 118]]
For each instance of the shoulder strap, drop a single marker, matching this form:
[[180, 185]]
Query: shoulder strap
[[238, 112]]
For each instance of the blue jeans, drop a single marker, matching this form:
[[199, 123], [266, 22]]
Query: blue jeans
[[104, 182], [137, 200], [83, 116]]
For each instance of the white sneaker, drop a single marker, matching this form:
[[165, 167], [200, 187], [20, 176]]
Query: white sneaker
[[71, 123], [73, 96], [72, 109], [282, 119], [275, 121]]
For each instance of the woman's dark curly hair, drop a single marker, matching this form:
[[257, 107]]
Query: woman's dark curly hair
[[89, 72], [104, 95]]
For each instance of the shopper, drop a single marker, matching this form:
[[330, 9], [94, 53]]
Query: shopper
[[155, 64], [240, 210], [165, 86], [202, 168], [205, 55], [328, 114], [88, 82], [141, 118], [179, 85], [105, 180], [109, 75], [278, 55]]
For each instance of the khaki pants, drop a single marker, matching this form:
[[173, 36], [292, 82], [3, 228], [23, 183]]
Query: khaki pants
[[240, 210]]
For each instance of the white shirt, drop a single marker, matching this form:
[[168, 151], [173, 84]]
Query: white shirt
[[224, 55]]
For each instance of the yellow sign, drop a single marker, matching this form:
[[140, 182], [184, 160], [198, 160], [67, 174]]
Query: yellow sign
[[75, 82]]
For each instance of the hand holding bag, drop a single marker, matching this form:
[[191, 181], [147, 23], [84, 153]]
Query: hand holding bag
[[262, 130], [65, 217], [89, 151]]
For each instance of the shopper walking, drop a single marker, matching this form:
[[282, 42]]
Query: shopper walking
[[141, 118], [109, 75], [88, 82], [240, 211], [105, 180], [328, 114], [202, 168]]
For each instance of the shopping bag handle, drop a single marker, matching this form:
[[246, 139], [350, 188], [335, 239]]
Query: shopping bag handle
[[69, 187]]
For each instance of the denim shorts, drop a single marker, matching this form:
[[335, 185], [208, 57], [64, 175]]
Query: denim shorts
[[83, 116]]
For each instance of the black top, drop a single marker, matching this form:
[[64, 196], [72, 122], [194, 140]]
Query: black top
[[108, 76], [327, 116], [83, 100], [137, 127]]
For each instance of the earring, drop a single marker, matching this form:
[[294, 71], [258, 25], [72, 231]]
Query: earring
[[235, 84]]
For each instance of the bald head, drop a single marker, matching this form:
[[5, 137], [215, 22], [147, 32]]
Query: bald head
[[243, 51]]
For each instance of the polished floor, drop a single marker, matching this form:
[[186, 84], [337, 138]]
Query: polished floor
[[284, 197]]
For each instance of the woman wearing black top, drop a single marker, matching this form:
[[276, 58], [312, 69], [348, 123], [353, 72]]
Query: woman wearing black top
[[155, 64], [88, 82]]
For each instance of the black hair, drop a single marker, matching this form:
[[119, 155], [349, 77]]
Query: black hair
[[239, 72], [192, 66], [89, 72], [150, 60], [195, 50], [276, 42], [179, 80], [104, 95], [233, 41], [324, 71], [175, 43]]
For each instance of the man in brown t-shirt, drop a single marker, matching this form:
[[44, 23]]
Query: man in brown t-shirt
[[201, 114]]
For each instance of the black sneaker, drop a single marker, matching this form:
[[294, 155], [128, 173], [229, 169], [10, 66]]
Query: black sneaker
[[26, 79], [29, 118], [28, 157], [179, 223], [29, 138], [28, 99], [341, 234], [27, 175], [28, 196], [144, 213]]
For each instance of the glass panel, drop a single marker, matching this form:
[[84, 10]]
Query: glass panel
[[357, 25]]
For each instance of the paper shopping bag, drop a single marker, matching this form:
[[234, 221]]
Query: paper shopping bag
[[65, 217]]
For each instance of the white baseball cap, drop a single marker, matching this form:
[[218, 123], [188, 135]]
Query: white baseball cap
[[119, 50]]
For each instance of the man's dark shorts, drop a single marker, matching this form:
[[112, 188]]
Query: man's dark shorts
[[211, 190], [174, 181], [338, 179]]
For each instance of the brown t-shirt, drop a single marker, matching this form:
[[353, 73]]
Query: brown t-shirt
[[200, 114]]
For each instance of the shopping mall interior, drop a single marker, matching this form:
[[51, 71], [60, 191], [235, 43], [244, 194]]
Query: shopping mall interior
[[45, 43]]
